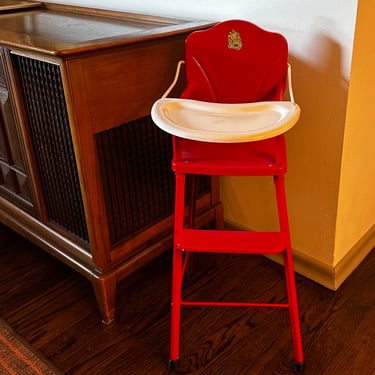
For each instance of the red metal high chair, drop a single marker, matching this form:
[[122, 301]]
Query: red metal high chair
[[229, 122]]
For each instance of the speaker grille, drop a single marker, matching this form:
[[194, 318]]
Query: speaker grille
[[53, 146], [138, 183]]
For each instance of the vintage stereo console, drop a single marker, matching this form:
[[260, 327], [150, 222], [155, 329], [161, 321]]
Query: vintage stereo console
[[84, 173]]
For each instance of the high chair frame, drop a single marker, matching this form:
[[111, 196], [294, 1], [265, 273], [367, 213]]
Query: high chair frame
[[262, 58]]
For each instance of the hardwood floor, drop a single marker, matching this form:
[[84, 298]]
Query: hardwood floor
[[54, 308]]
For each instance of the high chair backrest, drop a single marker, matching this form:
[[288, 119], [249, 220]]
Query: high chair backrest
[[235, 62]]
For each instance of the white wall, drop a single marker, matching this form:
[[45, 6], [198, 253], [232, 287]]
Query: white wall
[[357, 182], [334, 19], [320, 35]]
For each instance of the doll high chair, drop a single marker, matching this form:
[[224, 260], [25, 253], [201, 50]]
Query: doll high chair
[[230, 121]]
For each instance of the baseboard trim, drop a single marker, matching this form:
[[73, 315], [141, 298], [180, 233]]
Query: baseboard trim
[[332, 276], [311, 268], [329, 276], [354, 257]]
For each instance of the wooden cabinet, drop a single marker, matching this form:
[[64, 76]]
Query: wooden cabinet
[[85, 174]]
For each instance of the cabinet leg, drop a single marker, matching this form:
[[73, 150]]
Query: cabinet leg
[[105, 292]]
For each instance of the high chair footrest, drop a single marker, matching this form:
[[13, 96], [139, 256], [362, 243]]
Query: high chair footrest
[[236, 242]]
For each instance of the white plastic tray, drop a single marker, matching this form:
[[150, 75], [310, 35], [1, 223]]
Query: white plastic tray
[[225, 123]]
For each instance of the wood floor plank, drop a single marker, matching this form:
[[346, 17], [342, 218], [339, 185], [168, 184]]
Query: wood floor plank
[[54, 309]]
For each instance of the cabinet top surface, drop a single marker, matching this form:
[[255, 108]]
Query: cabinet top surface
[[67, 30], [6, 5]]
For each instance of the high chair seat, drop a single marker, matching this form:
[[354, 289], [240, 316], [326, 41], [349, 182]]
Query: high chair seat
[[224, 123]]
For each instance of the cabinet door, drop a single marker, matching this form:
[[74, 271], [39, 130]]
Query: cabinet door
[[13, 178]]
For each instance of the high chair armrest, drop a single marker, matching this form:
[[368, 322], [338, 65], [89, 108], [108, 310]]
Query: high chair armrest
[[290, 87], [173, 84]]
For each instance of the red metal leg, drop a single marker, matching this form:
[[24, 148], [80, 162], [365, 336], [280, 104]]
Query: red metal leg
[[293, 308], [175, 308], [177, 272], [289, 275], [192, 199], [193, 191]]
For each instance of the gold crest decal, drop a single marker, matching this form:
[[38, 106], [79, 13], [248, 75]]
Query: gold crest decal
[[234, 40]]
